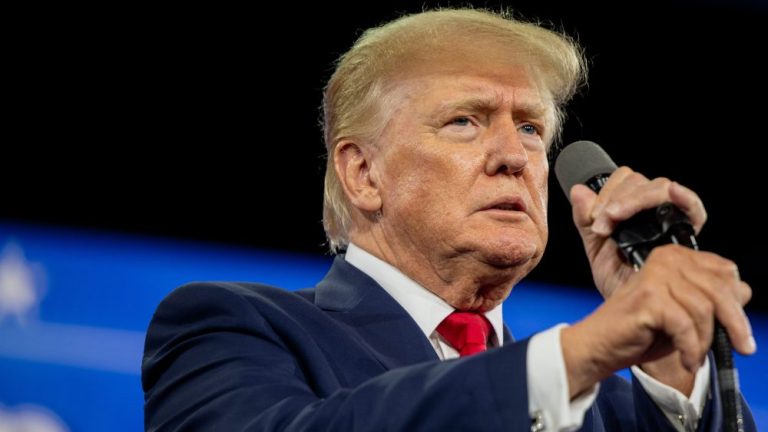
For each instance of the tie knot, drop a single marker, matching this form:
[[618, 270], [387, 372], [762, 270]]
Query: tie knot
[[468, 332]]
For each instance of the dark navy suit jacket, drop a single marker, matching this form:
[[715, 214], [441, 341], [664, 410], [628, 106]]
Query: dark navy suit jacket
[[343, 356]]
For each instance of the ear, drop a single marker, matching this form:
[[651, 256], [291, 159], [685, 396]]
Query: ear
[[353, 168]]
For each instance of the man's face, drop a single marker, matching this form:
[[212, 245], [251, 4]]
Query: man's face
[[462, 165]]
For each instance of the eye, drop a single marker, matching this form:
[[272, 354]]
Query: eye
[[460, 121], [529, 129], [460, 128]]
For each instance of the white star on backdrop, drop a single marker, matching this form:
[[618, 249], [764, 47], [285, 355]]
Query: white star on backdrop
[[19, 293], [30, 418]]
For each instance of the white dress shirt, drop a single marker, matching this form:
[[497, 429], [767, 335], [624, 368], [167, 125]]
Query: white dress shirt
[[548, 395]]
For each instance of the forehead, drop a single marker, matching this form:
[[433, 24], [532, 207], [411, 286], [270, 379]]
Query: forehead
[[438, 87], [496, 86], [467, 66]]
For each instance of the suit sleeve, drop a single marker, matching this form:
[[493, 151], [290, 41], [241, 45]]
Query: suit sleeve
[[651, 418], [212, 362]]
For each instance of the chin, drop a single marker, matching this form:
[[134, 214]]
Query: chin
[[511, 260], [515, 252], [481, 303]]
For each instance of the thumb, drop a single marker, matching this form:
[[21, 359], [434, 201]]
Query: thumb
[[583, 200]]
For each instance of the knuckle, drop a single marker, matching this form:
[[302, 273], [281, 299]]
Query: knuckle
[[704, 215], [730, 269], [653, 274], [657, 255], [706, 309], [645, 291], [636, 178], [686, 326], [745, 292], [666, 253], [700, 206], [728, 272], [662, 181], [715, 262]]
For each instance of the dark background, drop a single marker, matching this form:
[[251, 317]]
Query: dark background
[[202, 123]]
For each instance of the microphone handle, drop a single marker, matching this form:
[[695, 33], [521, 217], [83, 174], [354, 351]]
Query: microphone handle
[[728, 379]]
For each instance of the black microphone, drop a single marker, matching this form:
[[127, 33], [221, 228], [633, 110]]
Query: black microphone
[[584, 162]]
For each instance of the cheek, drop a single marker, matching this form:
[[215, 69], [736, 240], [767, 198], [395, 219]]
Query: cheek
[[405, 181], [427, 183], [539, 179], [419, 185], [540, 189], [544, 199], [424, 164]]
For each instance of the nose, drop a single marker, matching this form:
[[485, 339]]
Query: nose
[[506, 153]]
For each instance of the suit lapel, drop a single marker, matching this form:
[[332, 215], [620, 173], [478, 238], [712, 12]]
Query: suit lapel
[[508, 338], [383, 326]]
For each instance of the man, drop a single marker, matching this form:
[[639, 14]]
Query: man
[[437, 127]]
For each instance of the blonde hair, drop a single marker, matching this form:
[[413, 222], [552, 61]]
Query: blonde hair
[[353, 103]]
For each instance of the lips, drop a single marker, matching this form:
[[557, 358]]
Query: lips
[[511, 204]]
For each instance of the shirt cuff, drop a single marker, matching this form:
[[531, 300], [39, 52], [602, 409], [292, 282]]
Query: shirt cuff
[[548, 394], [683, 412]]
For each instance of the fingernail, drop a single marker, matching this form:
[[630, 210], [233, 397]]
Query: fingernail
[[596, 211], [613, 209], [601, 227], [751, 345]]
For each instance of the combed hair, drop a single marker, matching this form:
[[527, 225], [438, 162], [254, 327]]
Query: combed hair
[[354, 102]]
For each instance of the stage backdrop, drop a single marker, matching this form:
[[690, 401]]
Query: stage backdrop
[[74, 306]]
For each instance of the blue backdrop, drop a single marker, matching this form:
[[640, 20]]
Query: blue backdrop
[[74, 306]]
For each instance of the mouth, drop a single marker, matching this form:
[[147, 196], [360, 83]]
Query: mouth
[[508, 204]]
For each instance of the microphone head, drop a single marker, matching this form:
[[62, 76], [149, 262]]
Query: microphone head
[[579, 162]]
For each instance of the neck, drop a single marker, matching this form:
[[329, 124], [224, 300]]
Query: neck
[[460, 278]]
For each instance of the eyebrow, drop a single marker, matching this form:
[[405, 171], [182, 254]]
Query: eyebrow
[[536, 109], [473, 103]]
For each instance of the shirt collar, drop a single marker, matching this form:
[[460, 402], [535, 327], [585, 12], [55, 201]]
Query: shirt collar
[[426, 308]]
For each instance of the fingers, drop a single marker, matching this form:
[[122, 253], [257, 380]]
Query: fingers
[[583, 200], [627, 192], [739, 330], [614, 196], [690, 203], [662, 317], [697, 312], [723, 286], [705, 286], [685, 333]]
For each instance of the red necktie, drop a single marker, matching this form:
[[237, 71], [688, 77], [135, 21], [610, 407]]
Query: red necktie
[[468, 332]]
